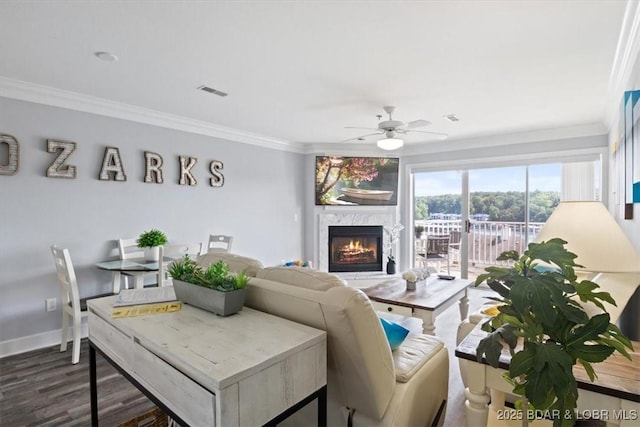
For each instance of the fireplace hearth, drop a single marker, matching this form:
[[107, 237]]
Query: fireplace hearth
[[355, 248]]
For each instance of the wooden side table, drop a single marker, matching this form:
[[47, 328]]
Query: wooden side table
[[614, 397]]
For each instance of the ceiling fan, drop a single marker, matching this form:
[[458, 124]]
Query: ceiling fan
[[392, 128]]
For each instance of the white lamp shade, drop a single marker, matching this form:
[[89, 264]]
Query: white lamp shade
[[593, 235], [390, 143]]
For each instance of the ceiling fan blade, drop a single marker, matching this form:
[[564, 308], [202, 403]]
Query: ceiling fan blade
[[354, 127], [440, 135], [416, 124], [361, 137]]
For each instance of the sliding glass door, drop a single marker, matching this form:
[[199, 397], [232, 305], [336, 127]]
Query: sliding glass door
[[438, 214], [486, 211]]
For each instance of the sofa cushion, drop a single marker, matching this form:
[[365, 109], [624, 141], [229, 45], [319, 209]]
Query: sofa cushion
[[414, 352], [236, 263], [302, 277], [395, 332]]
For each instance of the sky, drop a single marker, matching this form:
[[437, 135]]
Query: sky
[[541, 177]]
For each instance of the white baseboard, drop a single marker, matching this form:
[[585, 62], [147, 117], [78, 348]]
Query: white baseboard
[[37, 341]]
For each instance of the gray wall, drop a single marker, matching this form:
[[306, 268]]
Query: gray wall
[[260, 204], [631, 227]]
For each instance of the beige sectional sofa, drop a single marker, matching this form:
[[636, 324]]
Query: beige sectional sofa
[[368, 384]]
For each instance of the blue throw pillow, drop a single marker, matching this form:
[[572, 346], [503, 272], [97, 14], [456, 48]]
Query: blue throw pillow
[[395, 333], [546, 269]]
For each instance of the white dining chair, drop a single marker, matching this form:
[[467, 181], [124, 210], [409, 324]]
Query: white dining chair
[[72, 305], [175, 252], [219, 243], [128, 249]]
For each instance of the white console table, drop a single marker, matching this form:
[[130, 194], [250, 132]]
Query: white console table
[[250, 368]]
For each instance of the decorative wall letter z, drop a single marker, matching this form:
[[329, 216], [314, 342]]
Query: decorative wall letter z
[[58, 169]]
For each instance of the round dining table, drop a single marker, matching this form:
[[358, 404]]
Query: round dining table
[[136, 267]]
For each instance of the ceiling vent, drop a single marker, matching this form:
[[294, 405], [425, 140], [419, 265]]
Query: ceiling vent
[[212, 90], [452, 118]]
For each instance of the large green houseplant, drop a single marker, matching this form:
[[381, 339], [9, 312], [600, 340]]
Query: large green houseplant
[[213, 288], [541, 304]]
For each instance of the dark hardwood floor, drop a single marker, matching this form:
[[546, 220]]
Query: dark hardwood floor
[[43, 388]]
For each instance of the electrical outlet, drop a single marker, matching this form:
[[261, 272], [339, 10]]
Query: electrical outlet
[[50, 304]]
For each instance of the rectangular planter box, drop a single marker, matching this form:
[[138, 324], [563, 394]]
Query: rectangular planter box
[[220, 303]]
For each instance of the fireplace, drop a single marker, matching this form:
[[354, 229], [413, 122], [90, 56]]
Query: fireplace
[[355, 248]]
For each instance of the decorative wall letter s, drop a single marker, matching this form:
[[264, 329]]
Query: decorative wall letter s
[[185, 170], [153, 168], [112, 165], [217, 179], [58, 169], [14, 154]]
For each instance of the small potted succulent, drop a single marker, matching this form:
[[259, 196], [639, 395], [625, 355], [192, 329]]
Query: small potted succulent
[[214, 288], [150, 241]]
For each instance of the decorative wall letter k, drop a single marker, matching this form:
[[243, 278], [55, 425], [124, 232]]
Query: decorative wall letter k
[[186, 164]]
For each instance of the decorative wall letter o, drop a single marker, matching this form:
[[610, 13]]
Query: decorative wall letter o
[[14, 154], [153, 168], [112, 165], [58, 169], [185, 170], [217, 179]]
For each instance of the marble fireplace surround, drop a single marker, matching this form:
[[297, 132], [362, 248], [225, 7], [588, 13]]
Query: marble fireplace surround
[[326, 219]]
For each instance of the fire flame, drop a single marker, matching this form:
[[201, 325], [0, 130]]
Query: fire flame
[[355, 245]]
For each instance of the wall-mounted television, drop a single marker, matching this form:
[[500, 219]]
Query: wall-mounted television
[[352, 181]]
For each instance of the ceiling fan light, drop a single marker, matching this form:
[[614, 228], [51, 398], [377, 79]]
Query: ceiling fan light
[[390, 143]]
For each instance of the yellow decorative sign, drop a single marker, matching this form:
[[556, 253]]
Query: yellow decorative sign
[[141, 310]]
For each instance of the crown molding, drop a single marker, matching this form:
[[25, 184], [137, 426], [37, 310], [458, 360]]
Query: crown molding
[[31, 92], [624, 63], [538, 135], [39, 94]]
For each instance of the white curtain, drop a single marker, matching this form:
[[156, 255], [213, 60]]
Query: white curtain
[[578, 182]]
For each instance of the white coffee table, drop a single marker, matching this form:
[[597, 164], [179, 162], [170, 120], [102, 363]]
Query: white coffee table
[[431, 297]]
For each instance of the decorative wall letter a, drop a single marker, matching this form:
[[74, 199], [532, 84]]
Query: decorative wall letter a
[[14, 154], [58, 169], [153, 168], [112, 165], [185, 170]]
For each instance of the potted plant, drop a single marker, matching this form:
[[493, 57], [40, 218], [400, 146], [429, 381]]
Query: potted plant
[[538, 306], [390, 243], [213, 288], [150, 241]]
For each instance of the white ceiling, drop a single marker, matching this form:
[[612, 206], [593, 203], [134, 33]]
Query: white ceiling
[[301, 71]]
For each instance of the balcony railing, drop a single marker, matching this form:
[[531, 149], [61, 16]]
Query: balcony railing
[[487, 239]]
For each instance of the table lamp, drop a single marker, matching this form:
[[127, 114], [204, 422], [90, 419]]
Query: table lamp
[[593, 235], [607, 255]]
